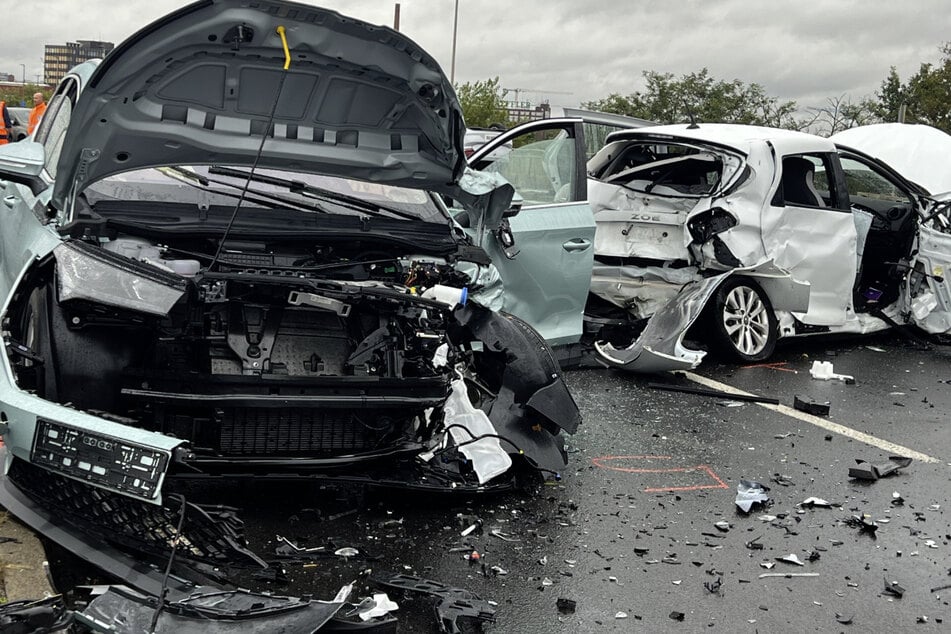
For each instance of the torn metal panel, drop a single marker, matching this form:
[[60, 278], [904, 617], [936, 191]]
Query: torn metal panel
[[660, 346], [631, 223], [641, 291], [931, 304]]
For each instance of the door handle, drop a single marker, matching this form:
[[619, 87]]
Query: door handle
[[576, 244]]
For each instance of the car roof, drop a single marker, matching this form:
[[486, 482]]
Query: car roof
[[737, 136]]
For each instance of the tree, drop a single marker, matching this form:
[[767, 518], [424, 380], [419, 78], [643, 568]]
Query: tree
[[890, 96], [926, 96], [841, 113], [667, 99], [482, 104]]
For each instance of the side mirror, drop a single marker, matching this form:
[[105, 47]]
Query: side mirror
[[22, 163]]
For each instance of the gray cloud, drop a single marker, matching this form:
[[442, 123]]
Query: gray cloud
[[804, 51]]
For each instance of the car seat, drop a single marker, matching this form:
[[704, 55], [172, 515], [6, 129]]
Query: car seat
[[798, 182]]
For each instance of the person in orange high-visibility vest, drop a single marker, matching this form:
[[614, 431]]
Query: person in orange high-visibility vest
[[6, 125], [39, 107]]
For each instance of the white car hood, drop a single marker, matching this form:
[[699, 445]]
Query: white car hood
[[198, 87], [917, 152]]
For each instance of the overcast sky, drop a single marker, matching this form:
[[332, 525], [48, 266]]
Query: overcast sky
[[801, 50]]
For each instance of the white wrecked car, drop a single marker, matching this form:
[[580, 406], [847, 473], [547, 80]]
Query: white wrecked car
[[735, 236]]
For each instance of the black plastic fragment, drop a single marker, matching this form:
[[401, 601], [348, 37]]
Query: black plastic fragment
[[677, 616], [714, 586], [44, 615], [893, 589], [686, 389], [454, 603], [811, 406], [868, 471], [843, 619], [865, 525], [566, 606]]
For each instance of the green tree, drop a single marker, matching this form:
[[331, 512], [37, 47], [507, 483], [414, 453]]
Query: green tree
[[926, 96], [667, 99], [891, 95], [482, 104]]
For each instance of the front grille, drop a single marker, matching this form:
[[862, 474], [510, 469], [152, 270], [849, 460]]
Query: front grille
[[209, 534], [263, 431]]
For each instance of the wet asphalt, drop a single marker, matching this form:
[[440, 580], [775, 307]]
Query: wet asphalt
[[630, 532]]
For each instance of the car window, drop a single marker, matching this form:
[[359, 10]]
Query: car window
[[541, 166], [804, 181], [863, 183], [55, 121], [665, 169]]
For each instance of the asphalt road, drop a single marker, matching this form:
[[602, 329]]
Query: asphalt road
[[630, 532]]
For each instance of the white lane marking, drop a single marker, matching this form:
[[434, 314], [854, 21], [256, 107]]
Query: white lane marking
[[828, 425]]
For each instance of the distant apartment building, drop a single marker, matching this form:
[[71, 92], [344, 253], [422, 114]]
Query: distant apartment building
[[59, 58]]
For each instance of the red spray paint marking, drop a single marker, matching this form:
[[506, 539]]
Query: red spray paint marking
[[717, 483]]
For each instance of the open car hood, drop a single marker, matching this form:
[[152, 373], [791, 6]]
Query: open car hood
[[199, 85], [917, 152]]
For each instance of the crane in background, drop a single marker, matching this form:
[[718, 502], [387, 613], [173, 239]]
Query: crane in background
[[506, 91]]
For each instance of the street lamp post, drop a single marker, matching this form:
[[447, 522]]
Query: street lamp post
[[23, 75], [455, 28]]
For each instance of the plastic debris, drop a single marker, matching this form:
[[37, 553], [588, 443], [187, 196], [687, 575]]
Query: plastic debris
[[811, 406], [824, 371], [503, 536], [723, 526], [374, 607], [812, 502], [471, 528], [768, 565], [566, 606], [621, 615], [867, 471], [452, 604], [892, 589], [791, 558], [749, 493], [788, 575], [754, 544], [676, 616], [347, 551], [713, 587], [864, 524]]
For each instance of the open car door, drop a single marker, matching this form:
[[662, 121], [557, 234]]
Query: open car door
[[544, 250]]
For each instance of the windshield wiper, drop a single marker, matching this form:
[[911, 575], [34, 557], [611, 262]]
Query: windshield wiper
[[297, 187], [268, 199]]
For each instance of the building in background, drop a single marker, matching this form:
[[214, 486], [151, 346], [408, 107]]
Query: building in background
[[59, 58]]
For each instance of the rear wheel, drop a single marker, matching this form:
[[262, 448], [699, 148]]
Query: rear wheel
[[743, 321]]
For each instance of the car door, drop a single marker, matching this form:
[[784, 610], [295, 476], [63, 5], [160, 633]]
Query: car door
[[808, 231], [544, 252], [910, 231]]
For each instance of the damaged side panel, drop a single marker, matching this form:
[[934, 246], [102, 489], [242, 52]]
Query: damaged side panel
[[930, 301], [660, 346]]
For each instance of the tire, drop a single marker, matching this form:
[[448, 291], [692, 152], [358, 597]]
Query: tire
[[743, 322]]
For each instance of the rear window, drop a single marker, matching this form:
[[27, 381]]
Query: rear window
[[665, 169]]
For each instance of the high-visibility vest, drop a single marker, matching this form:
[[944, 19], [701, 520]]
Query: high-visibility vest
[[35, 115], [4, 133]]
